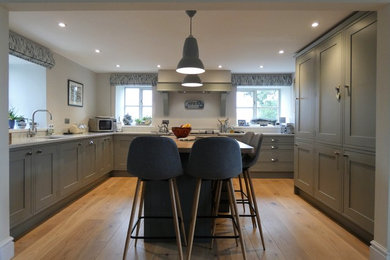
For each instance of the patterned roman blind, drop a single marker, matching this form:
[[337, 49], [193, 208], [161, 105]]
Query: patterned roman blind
[[262, 79], [117, 79], [29, 50]]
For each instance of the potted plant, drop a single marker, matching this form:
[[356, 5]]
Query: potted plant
[[127, 119], [21, 122], [147, 120], [12, 117]]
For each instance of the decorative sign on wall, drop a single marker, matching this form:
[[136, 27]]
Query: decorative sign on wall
[[194, 104]]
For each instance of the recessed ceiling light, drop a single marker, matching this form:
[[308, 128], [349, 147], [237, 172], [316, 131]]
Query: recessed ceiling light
[[158, 66], [281, 51], [261, 66], [118, 66], [97, 50], [62, 25], [314, 24], [219, 66]]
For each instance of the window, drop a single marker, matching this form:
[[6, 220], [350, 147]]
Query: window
[[135, 100], [138, 102], [258, 102]]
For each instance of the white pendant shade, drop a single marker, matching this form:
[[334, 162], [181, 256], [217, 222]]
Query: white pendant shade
[[192, 80]]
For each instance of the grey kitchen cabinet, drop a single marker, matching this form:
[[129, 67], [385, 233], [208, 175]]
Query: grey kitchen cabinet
[[305, 91], [328, 178], [121, 149], [360, 85], [276, 155], [105, 154], [100, 166], [45, 163], [303, 166], [90, 163], [71, 167], [20, 179], [359, 188], [329, 82]]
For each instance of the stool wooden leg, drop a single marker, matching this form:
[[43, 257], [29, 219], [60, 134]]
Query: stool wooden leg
[[141, 206], [233, 205], [175, 217], [180, 212], [250, 199], [241, 192], [216, 209], [134, 206], [193, 217], [256, 209]]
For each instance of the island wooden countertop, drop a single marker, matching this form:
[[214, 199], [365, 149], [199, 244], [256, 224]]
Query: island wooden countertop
[[184, 145]]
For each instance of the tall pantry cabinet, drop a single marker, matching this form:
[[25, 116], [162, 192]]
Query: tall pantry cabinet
[[334, 156]]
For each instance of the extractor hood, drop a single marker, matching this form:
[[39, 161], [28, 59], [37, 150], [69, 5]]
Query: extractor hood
[[213, 81]]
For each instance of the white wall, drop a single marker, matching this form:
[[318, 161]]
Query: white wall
[[380, 246], [27, 88], [57, 95], [6, 244], [103, 95]]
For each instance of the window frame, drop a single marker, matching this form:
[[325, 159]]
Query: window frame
[[254, 90], [140, 105]]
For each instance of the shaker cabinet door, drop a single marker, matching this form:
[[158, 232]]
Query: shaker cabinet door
[[305, 89], [71, 167], [329, 73], [303, 167], [360, 86]]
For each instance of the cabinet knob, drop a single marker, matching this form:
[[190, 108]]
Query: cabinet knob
[[274, 159], [79, 144], [91, 142], [336, 152], [274, 140], [345, 155], [39, 151], [29, 153], [274, 147]]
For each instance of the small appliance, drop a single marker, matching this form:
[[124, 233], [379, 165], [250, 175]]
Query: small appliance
[[102, 124]]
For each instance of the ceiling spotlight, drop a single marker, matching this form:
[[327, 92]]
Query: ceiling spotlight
[[220, 66], [62, 25], [118, 66], [261, 66], [190, 63], [281, 51], [192, 80], [97, 50], [158, 66], [315, 24]]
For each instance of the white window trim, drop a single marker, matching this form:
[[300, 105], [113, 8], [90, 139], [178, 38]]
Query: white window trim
[[254, 89], [140, 101]]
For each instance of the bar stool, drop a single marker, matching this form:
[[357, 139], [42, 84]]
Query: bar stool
[[247, 162], [218, 159], [153, 158], [246, 138]]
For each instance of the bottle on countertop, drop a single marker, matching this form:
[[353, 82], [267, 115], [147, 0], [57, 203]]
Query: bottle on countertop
[[119, 125]]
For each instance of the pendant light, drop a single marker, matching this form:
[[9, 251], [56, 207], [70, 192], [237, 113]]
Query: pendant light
[[190, 63], [192, 80]]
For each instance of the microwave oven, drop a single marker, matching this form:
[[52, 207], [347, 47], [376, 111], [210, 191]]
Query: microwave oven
[[102, 124]]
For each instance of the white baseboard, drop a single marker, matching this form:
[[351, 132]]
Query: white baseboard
[[7, 248], [378, 252]]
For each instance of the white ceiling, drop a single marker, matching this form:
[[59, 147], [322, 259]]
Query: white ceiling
[[138, 40]]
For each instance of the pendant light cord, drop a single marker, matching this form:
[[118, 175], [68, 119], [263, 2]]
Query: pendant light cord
[[190, 25]]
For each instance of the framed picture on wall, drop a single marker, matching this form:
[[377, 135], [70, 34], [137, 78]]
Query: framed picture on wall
[[75, 93]]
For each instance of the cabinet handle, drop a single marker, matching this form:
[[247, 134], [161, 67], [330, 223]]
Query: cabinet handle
[[345, 155], [79, 144], [274, 147], [338, 95], [274, 160], [348, 90], [29, 153], [91, 142], [39, 151]]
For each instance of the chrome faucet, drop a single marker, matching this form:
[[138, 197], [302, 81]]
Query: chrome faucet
[[33, 129]]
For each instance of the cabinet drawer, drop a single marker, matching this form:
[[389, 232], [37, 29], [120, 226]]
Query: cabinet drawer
[[277, 166], [278, 139], [276, 156]]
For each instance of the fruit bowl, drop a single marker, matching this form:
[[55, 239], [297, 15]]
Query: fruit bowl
[[181, 132]]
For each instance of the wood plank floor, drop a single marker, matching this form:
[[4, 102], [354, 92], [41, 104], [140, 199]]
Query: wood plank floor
[[94, 227]]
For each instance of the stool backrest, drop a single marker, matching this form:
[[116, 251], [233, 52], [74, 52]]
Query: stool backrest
[[215, 158], [247, 137], [154, 158], [256, 142]]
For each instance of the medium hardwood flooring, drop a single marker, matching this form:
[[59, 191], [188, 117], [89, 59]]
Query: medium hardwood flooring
[[94, 227]]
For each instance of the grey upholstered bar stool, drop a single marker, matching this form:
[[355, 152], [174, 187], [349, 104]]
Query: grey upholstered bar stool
[[218, 159], [247, 162], [153, 158]]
